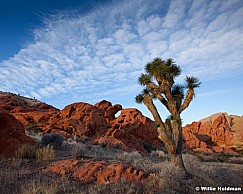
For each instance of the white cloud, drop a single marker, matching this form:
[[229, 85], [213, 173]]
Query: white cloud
[[101, 54], [175, 14]]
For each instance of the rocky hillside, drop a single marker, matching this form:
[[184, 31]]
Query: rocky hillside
[[130, 130], [28, 111], [216, 133], [13, 103]]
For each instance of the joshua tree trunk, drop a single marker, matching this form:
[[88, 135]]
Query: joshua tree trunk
[[170, 135], [176, 159], [174, 151]]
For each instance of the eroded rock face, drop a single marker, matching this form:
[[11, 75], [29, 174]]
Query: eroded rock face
[[31, 112], [80, 119], [102, 172], [12, 135], [130, 130], [217, 133]]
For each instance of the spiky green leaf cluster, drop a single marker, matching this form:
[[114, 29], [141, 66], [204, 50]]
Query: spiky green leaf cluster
[[192, 82], [139, 98], [144, 79], [163, 69]]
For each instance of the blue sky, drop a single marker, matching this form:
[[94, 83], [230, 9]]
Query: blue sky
[[68, 51]]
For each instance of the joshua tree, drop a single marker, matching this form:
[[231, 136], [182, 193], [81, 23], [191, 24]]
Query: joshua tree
[[159, 84]]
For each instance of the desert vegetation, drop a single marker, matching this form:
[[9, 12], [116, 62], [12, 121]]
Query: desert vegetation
[[172, 96], [27, 172]]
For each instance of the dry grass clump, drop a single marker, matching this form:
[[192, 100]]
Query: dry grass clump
[[46, 185], [26, 151], [169, 178], [11, 172], [37, 186], [118, 187], [202, 169], [45, 153], [8, 176]]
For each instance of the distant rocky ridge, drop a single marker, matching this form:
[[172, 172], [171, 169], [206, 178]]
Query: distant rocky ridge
[[130, 130], [217, 133]]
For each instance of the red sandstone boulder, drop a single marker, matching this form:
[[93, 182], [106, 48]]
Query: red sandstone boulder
[[12, 135], [80, 119], [101, 172], [132, 131]]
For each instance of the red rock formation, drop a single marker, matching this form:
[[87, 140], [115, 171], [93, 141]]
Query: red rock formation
[[12, 135], [101, 172], [130, 130], [217, 133], [30, 112], [80, 119]]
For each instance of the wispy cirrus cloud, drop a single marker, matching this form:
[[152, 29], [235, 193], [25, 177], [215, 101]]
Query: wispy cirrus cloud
[[101, 54]]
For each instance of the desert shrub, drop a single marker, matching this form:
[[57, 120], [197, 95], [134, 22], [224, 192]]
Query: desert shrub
[[34, 130], [54, 140], [204, 170], [84, 139], [170, 176], [129, 156], [26, 151], [45, 153], [149, 147], [158, 153]]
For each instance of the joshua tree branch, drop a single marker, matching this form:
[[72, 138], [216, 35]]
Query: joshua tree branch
[[152, 108], [166, 132], [167, 141], [171, 103], [162, 100], [189, 96]]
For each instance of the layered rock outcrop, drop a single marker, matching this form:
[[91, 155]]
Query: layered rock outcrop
[[31, 112], [101, 172], [217, 133], [12, 135], [130, 130]]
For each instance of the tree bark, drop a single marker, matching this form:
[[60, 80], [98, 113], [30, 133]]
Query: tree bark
[[177, 160], [189, 96]]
